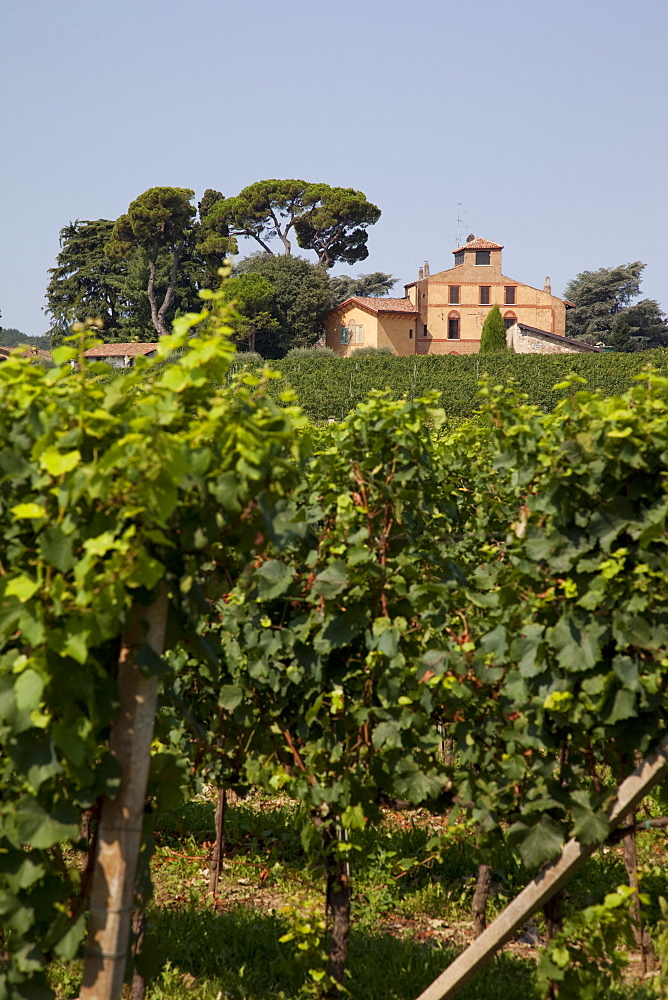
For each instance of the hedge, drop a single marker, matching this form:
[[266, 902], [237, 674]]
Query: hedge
[[331, 387]]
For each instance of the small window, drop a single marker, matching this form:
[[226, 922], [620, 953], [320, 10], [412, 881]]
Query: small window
[[410, 334], [459, 258], [484, 294], [482, 257], [509, 320], [453, 326], [510, 295], [454, 295], [425, 332], [352, 334]]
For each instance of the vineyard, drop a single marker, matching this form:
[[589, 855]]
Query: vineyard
[[279, 702]]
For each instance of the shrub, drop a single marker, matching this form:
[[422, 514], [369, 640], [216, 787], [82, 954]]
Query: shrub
[[493, 337], [305, 353], [373, 352], [248, 358]]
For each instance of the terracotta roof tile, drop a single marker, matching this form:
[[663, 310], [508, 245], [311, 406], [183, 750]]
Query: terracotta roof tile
[[479, 243], [377, 305], [27, 351], [119, 350]]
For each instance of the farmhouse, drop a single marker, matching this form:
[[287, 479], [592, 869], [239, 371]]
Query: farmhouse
[[120, 355], [443, 313], [26, 351]]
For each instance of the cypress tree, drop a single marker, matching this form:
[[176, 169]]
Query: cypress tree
[[493, 337]]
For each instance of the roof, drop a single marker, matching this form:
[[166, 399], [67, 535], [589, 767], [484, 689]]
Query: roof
[[558, 339], [479, 243], [377, 305], [119, 350], [27, 351]]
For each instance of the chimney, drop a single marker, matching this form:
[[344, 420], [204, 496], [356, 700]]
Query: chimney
[[420, 274], [547, 287], [426, 269]]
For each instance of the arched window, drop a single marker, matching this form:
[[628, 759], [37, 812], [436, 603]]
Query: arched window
[[453, 326], [509, 319]]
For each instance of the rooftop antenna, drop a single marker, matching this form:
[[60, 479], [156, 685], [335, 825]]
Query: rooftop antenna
[[460, 221]]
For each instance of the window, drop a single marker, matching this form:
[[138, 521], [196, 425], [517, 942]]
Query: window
[[482, 257], [410, 334], [454, 295], [352, 334], [453, 326], [509, 320], [459, 258], [510, 295], [425, 332], [484, 294]]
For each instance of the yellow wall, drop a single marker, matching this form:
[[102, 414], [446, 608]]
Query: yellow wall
[[430, 295], [352, 316], [386, 330], [532, 306]]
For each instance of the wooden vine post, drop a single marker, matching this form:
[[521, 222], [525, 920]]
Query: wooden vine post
[[119, 836], [629, 794]]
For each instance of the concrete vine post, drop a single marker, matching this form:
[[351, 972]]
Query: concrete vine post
[[548, 882], [120, 831]]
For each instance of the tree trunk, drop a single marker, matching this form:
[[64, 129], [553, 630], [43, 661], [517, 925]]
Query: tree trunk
[[553, 916], [219, 843], [338, 906], [157, 314], [120, 829], [138, 931], [169, 294], [642, 938], [480, 897]]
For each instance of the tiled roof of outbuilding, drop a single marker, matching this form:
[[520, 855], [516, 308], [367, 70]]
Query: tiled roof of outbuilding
[[119, 350], [27, 351], [377, 305], [479, 243]]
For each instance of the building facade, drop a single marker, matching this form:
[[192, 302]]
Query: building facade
[[443, 313], [120, 355]]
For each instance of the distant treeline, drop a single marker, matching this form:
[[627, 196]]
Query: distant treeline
[[12, 338]]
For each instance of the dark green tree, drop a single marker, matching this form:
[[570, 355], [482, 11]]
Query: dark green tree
[[85, 283], [336, 227], [213, 243], [301, 300], [493, 337], [331, 221], [605, 311], [158, 222], [109, 278], [639, 328], [253, 298], [344, 285]]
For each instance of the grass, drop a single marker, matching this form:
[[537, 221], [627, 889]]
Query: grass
[[409, 919]]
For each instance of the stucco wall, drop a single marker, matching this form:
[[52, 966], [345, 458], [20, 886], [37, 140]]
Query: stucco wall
[[532, 306], [431, 294], [352, 316], [395, 331]]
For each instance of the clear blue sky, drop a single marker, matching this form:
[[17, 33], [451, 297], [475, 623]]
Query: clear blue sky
[[548, 122]]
